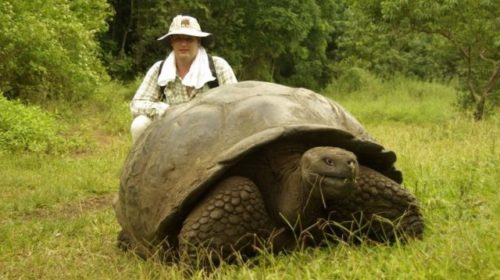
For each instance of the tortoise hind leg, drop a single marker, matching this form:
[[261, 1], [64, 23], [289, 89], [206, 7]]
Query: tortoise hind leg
[[230, 219], [382, 210]]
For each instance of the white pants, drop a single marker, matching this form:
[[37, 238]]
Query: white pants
[[139, 124]]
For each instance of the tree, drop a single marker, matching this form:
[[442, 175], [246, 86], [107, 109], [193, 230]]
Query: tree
[[469, 28], [367, 42]]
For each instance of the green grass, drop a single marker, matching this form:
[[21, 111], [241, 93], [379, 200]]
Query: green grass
[[57, 222], [401, 100]]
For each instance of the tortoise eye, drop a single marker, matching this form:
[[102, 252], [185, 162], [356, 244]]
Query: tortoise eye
[[329, 161]]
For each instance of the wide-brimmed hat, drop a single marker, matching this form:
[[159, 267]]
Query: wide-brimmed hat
[[185, 25]]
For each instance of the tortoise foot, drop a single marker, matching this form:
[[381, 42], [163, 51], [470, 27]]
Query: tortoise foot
[[230, 223]]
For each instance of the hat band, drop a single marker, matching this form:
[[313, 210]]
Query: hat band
[[186, 31]]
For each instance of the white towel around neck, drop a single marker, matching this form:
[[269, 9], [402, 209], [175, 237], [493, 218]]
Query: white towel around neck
[[199, 72]]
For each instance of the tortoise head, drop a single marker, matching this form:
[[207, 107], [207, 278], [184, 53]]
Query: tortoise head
[[329, 172]]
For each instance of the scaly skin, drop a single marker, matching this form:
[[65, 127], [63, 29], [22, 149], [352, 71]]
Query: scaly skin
[[382, 210], [231, 218]]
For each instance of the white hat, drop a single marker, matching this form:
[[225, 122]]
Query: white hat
[[185, 25]]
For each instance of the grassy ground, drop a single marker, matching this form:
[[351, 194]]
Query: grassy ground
[[56, 219]]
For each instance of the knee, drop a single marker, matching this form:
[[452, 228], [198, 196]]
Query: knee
[[139, 124]]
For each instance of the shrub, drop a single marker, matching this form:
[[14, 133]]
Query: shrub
[[24, 128], [48, 48]]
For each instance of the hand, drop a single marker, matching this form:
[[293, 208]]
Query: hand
[[161, 108]]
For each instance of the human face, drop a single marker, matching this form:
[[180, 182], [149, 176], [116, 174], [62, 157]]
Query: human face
[[185, 47]]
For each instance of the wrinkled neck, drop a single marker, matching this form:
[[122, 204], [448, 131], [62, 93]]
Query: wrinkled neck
[[296, 204]]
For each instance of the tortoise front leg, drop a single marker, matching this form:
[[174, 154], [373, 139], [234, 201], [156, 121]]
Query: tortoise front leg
[[230, 221], [382, 210]]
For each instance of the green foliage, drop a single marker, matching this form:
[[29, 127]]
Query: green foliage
[[130, 46], [385, 51], [276, 36], [310, 64], [48, 48], [59, 129], [25, 128], [463, 35], [284, 41], [466, 103]]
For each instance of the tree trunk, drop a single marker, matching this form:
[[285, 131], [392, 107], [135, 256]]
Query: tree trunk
[[490, 87], [479, 110], [127, 30]]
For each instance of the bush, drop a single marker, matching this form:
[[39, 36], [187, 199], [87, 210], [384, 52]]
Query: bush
[[24, 128], [48, 48]]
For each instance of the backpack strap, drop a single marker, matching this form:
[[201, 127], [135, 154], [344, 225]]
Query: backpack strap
[[163, 97], [214, 83], [211, 84]]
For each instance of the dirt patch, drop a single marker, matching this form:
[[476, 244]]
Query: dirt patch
[[103, 139], [72, 209]]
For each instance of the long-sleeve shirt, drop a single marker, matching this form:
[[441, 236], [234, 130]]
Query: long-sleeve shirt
[[147, 99]]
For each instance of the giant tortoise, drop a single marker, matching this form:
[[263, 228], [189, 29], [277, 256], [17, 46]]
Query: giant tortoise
[[258, 165]]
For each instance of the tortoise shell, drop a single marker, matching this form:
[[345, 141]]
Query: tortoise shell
[[178, 158]]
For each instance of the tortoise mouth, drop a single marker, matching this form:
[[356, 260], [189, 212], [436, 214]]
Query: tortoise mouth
[[332, 179], [329, 186], [335, 179]]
